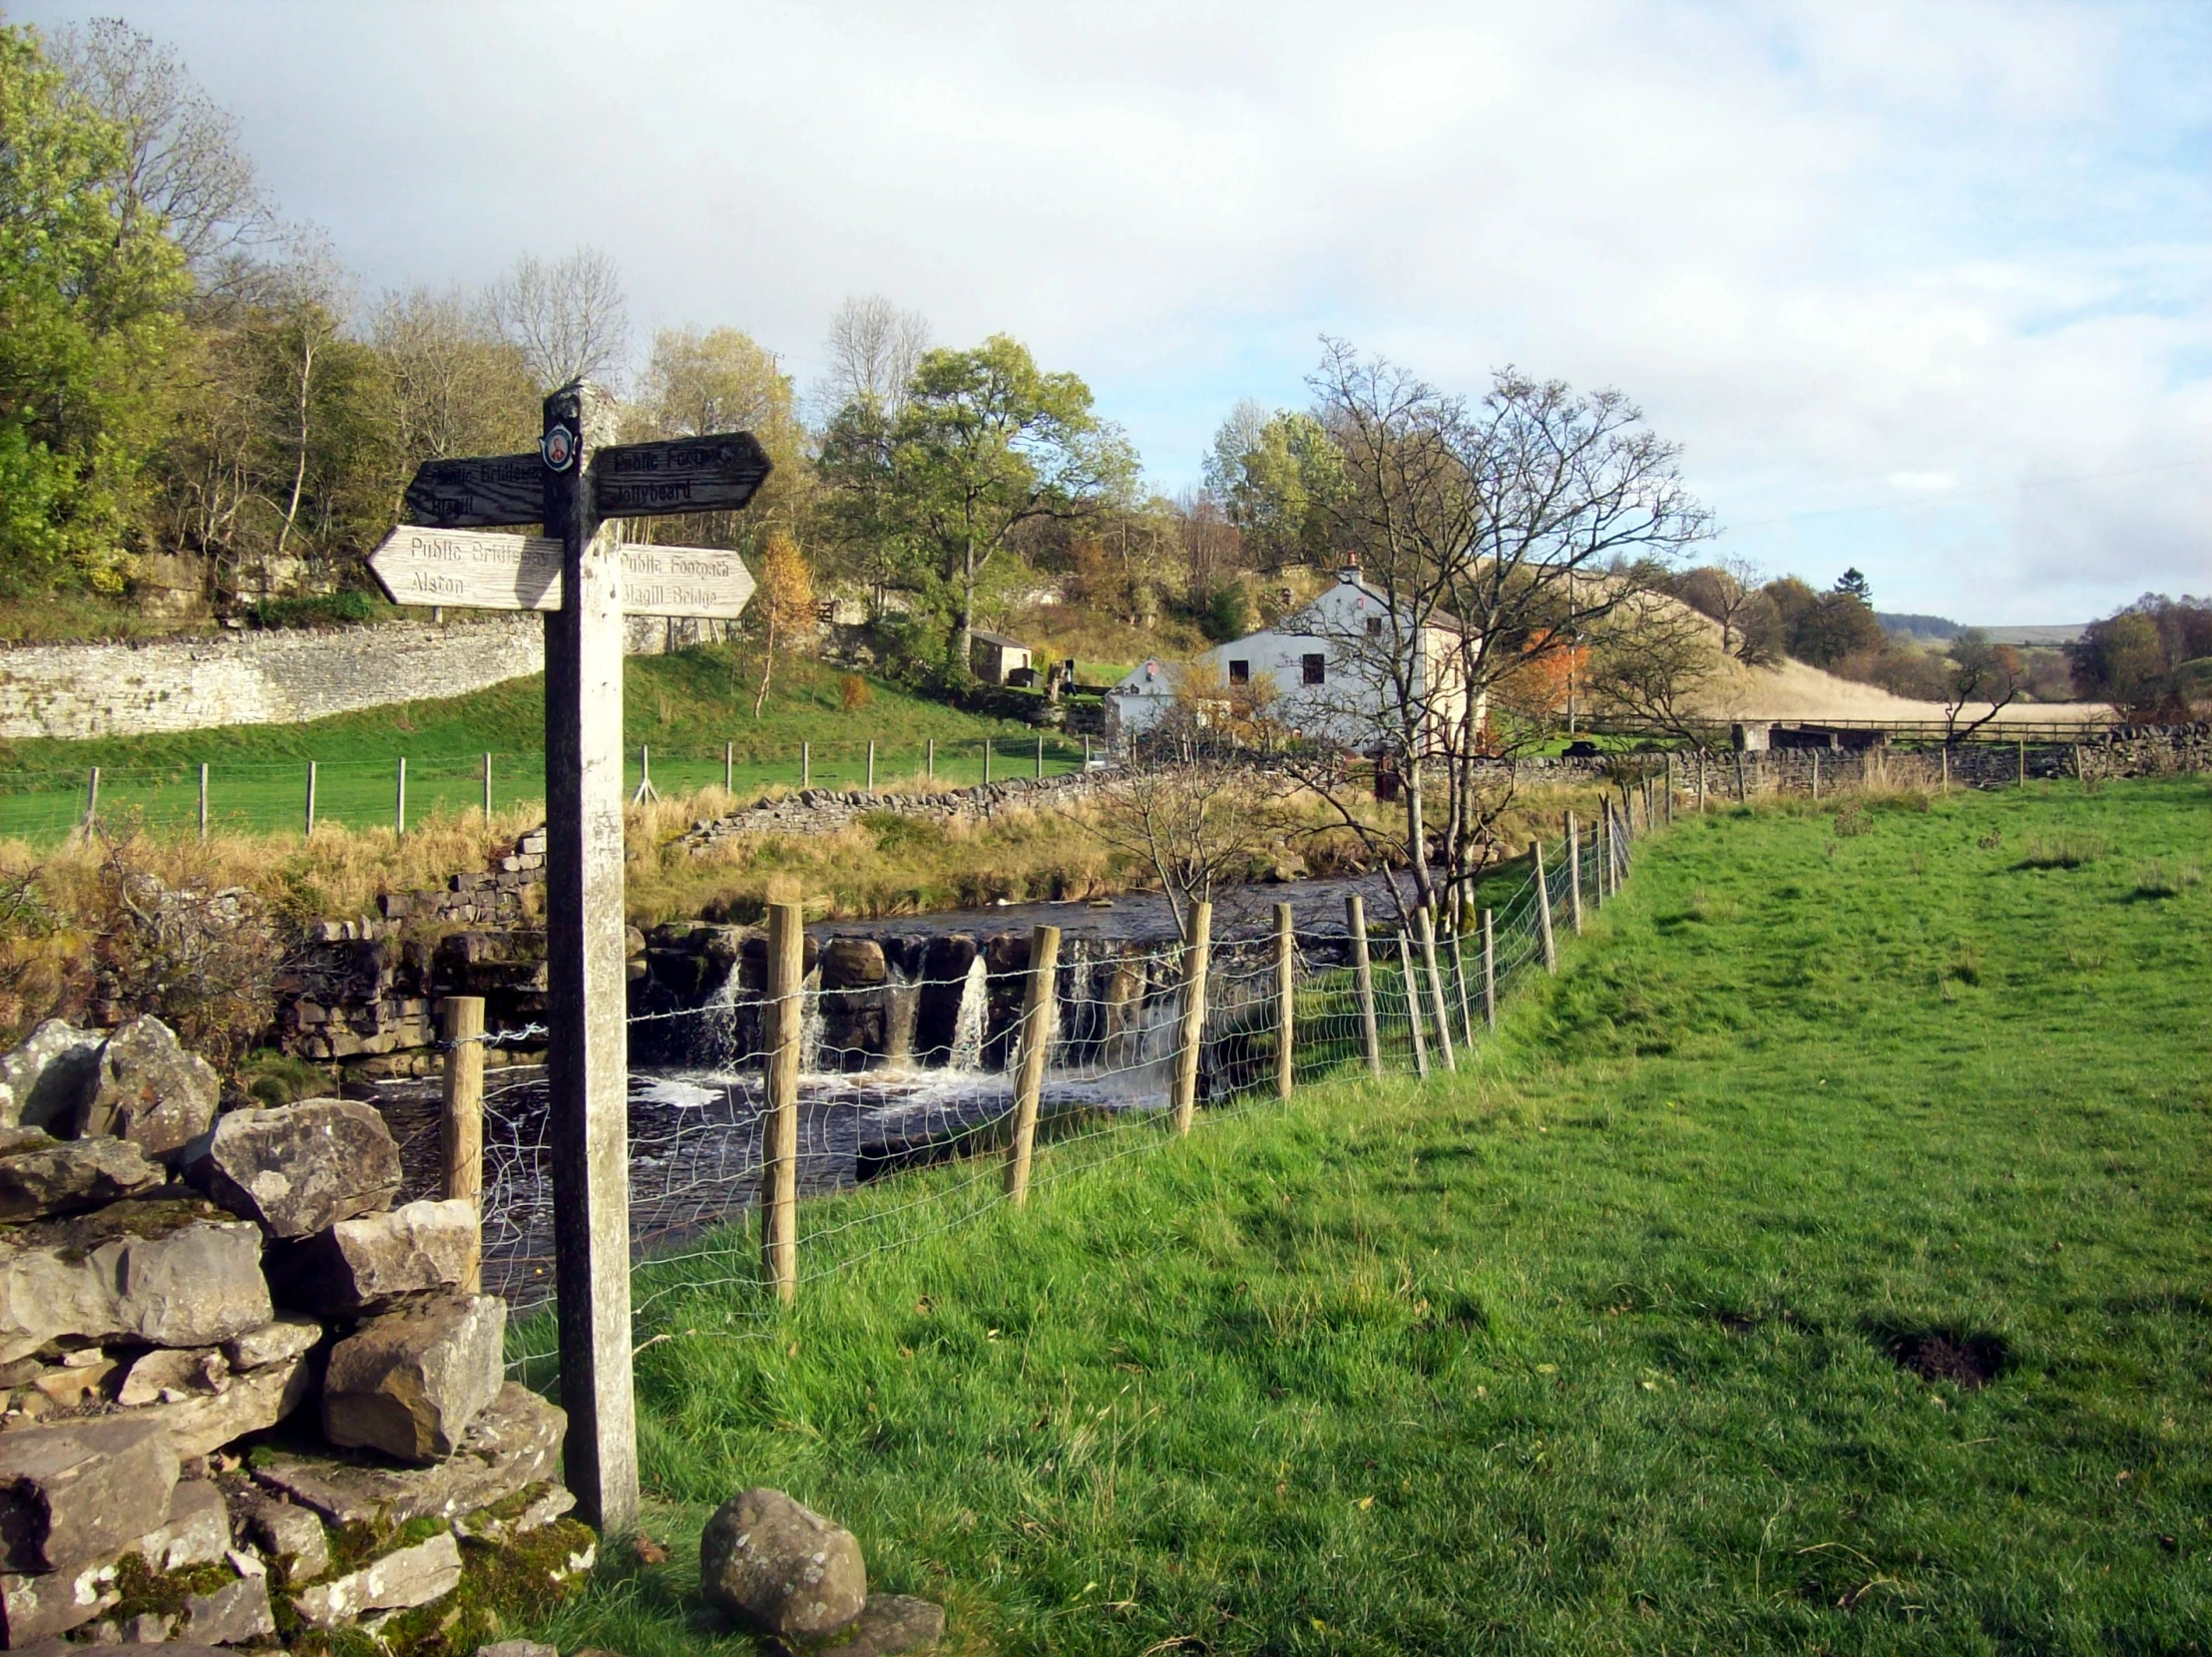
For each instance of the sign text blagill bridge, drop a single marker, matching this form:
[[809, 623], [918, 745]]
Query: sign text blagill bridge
[[585, 581]]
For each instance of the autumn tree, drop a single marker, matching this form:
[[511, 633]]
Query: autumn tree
[[699, 381], [782, 605], [1981, 672]]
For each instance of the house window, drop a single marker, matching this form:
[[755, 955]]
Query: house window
[[1374, 627], [1317, 669], [1241, 672]]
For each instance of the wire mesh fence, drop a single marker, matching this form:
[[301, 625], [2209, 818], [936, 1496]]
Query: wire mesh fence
[[907, 1088], [43, 805]]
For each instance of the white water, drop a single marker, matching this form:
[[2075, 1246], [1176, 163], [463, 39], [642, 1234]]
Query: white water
[[967, 1051]]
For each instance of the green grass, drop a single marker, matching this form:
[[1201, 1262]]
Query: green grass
[[685, 707], [1590, 1350]]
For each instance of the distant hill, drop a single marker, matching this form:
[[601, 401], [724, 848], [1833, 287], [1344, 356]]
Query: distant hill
[[1939, 628]]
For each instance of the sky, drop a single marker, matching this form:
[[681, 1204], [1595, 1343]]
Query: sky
[[1925, 289]]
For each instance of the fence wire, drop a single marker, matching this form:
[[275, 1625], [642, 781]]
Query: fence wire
[[908, 1089]]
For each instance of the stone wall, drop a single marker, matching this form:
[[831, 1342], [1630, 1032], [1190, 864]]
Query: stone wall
[[255, 679]]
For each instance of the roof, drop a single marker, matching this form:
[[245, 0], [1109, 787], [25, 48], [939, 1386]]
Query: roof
[[997, 639], [1441, 621]]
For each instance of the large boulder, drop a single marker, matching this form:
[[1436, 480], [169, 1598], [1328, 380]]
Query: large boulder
[[300, 1168], [42, 1176], [45, 1081], [169, 1272], [405, 1577], [781, 1567], [80, 1490], [365, 1264], [150, 1090], [408, 1383], [513, 1442]]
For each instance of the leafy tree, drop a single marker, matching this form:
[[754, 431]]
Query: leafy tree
[[720, 380], [2146, 660], [1278, 481], [86, 301], [985, 442], [1981, 672], [1823, 628]]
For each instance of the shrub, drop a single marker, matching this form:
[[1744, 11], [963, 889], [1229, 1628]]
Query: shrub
[[852, 692], [1852, 820]]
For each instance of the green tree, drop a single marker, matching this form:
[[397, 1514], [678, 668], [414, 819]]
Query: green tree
[[87, 318], [1277, 478], [985, 442]]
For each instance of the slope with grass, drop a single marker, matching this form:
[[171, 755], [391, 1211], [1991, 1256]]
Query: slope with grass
[[1819, 1264], [685, 707]]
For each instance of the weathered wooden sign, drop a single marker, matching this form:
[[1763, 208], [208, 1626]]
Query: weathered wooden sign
[[485, 570], [629, 480], [585, 579]]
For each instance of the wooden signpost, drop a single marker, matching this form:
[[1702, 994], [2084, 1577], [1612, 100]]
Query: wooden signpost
[[586, 580]]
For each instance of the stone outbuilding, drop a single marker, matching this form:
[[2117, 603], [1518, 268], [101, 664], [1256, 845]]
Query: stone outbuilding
[[996, 658]]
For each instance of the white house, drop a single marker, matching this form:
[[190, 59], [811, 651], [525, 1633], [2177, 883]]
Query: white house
[[1329, 664]]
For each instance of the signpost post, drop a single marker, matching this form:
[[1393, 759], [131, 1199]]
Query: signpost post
[[584, 579]]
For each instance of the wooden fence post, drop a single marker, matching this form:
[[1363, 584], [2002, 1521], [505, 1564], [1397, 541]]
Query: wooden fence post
[[1574, 874], [399, 799], [807, 764], [1039, 1003], [1040, 756], [463, 1019], [986, 762], [1459, 976], [203, 800], [1544, 909], [311, 799], [779, 1150], [1816, 776], [1742, 796], [1600, 853], [1702, 782], [91, 801], [1947, 767], [929, 760], [1286, 998], [871, 765], [487, 788], [1489, 970], [2023, 761], [1436, 986], [730, 767], [1363, 982], [1413, 1005], [1193, 1034]]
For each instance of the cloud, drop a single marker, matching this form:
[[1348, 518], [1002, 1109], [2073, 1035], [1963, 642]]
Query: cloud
[[1837, 251]]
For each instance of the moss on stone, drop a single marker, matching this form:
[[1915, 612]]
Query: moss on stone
[[144, 1590]]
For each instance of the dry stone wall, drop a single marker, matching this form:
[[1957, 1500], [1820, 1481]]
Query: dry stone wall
[[254, 678]]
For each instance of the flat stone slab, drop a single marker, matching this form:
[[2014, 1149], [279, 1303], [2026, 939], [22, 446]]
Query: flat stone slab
[[162, 1271], [258, 1399], [407, 1577], [514, 1441], [42, 1176]]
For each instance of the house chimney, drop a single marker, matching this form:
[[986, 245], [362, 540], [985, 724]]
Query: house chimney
[[1348, 569]]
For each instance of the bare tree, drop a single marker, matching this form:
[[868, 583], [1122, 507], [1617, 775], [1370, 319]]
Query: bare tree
[[872, 350], [1651, 666], [1199, 827], [1492, 538], [309, 297], [1981, 672], [1728, 591], [183, 160], [570, 318], [457, 387]]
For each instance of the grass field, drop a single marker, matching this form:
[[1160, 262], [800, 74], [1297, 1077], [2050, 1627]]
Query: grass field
[[1817, 1265], [685, 707]]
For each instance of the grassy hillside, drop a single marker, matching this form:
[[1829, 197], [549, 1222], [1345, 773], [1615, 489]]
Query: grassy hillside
[[1817, 1265], [684, 706]]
